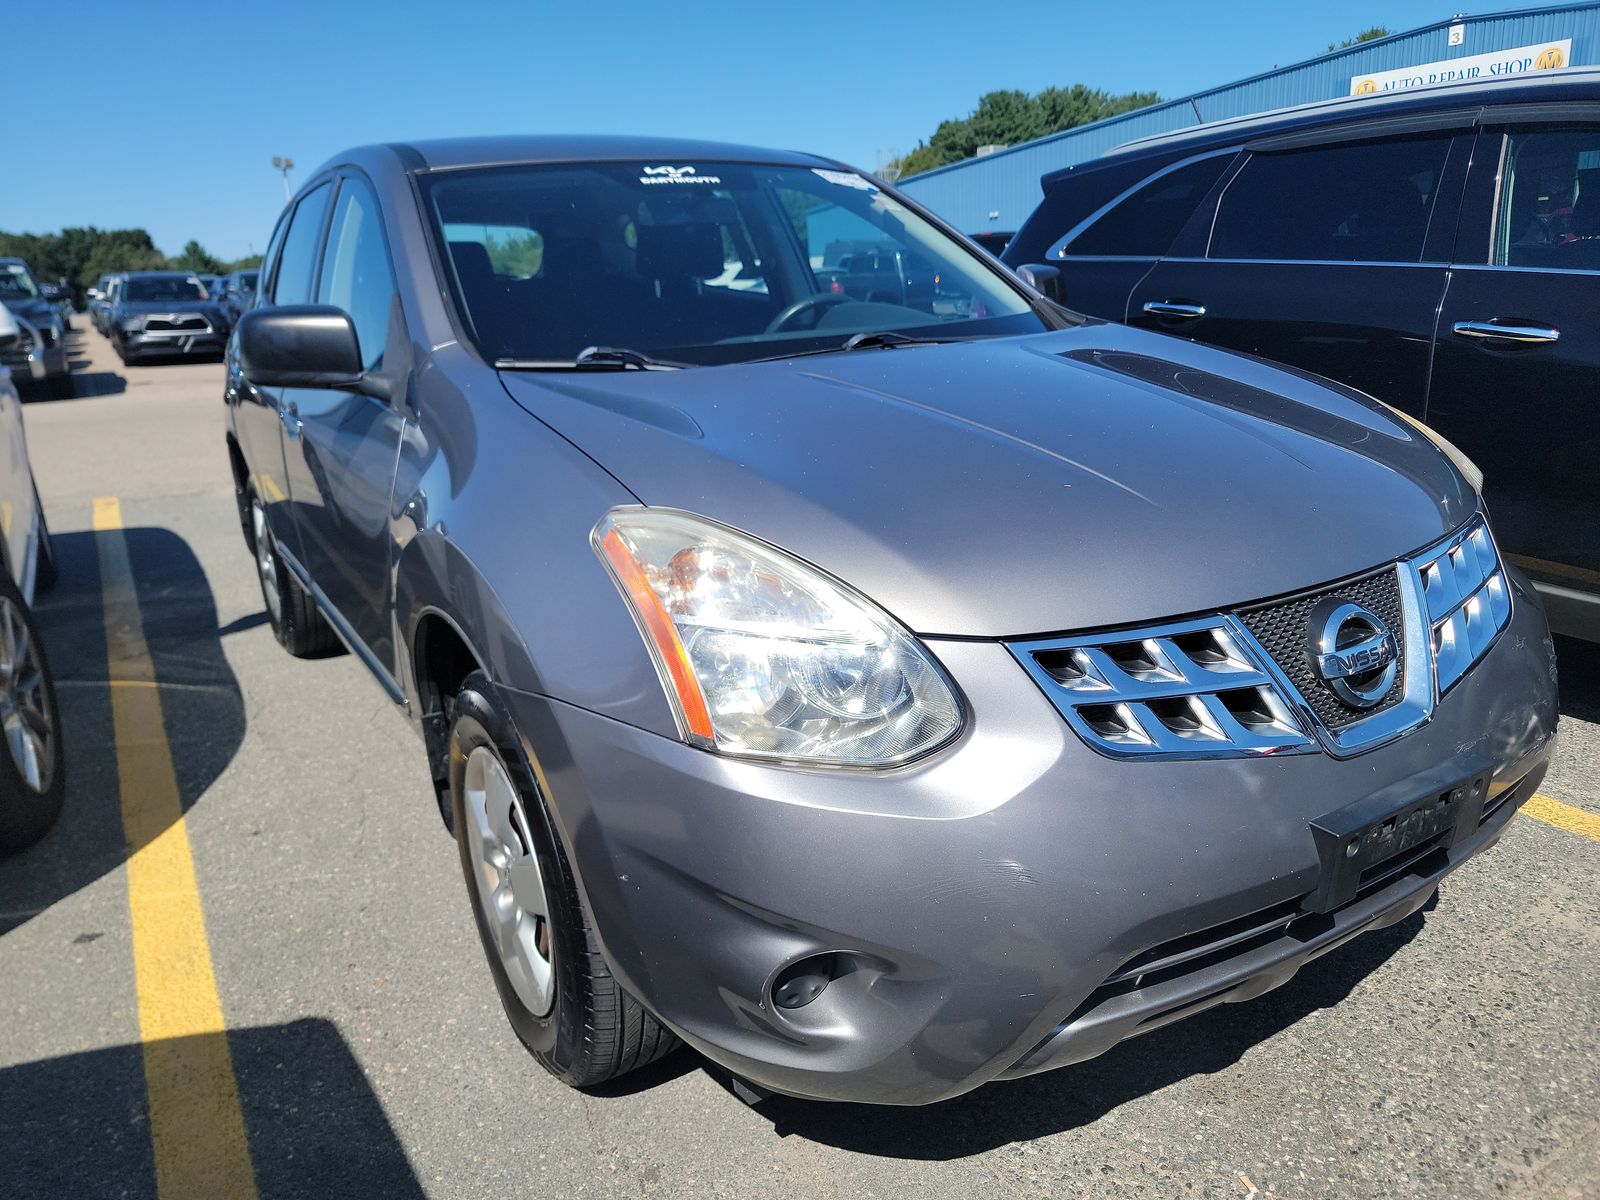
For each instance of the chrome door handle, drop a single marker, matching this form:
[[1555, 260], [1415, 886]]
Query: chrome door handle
[[1167, 308], [1528, 334]]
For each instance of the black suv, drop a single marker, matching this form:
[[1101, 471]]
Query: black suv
[[1438, 250]]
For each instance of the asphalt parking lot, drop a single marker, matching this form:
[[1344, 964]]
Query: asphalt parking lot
[[343, 1037]]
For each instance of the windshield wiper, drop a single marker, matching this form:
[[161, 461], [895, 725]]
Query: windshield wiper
[[880, 340], [594, 358], [883, 339], [622, 358]]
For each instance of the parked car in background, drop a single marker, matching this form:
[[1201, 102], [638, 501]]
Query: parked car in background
[[100, 302], [238, 293], [37, 357], [32, 767], [884, 696], [165, 313], [60, 297], [1439, 250]]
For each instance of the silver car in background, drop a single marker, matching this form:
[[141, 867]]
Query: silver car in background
[[32, 770]]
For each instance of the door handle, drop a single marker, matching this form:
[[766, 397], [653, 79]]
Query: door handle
[[1169, 308], [1525, 334], [289, 414]]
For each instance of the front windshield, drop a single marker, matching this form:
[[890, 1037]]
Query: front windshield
[[702, 263], [169, 288], [17, 284], [247, 281]]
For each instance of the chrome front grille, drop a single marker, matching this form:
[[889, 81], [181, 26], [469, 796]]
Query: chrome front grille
[[1193, 689], [1468, 602], [1244, 682], [1280, 627], [177, 323]]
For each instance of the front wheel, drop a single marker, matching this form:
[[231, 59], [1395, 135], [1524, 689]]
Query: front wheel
[[553, 981], [297, 624], [32, 765]]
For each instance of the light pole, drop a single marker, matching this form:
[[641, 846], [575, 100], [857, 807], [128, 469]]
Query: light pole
[[285, 164]]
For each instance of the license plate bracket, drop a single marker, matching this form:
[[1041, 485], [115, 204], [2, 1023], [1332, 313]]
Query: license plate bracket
[[1354, 840]]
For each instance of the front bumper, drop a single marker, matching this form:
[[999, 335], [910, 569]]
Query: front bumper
[[990, 901], [38, 363], [174, 344]]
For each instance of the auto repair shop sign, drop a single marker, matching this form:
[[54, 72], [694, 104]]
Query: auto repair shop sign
[[1498, 64]]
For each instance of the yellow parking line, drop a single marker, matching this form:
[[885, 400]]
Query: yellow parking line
[[1563, 816], [196, 1124]]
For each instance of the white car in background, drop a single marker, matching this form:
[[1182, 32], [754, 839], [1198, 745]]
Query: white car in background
[[31, 763]]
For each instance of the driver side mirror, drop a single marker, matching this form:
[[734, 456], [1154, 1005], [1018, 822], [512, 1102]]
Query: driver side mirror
[[307, 346], [300, 345], [1044, 279]]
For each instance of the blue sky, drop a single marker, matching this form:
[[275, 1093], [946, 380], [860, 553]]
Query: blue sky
[[138, 118]]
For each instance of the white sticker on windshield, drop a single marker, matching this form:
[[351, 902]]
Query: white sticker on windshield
[[676, 175], [845, 179]]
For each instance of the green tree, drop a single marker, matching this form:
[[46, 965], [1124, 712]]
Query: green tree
[[1005, 118], [194, 258], [1366, 35]]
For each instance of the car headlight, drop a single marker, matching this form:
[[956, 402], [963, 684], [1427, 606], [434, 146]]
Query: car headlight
[[131, 324], [766, 657]]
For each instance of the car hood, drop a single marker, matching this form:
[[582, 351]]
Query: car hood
[[1072, 480], [31, 310]]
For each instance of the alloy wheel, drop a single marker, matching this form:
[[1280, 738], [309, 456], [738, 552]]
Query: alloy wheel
[[510, 885], [266, 563], [24, 710]]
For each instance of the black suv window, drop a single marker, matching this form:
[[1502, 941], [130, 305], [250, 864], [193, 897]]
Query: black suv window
[[293, 282], [1550, 201], [1145, 223], [355, 270], [1365, 201]]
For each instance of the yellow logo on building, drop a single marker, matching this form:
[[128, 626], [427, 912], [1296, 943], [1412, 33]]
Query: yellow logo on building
[[1549, 59], [1366, 87]]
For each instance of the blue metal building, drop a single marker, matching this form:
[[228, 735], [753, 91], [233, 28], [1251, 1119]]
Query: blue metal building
[[999, 190]]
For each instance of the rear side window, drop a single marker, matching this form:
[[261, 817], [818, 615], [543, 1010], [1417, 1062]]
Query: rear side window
[[293, 282], [1367, 201], [1145, 223], [1550, 201], [355, 270]]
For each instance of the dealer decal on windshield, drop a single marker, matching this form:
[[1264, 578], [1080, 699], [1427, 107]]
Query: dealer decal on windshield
[[676, 175], [846, 179]]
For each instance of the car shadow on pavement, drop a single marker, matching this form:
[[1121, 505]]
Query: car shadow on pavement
[[202, 708], [78, 1125], [1578, 665], [87, 383], [1059, 1101]]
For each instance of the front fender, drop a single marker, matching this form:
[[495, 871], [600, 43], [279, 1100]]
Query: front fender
[[492, 513]]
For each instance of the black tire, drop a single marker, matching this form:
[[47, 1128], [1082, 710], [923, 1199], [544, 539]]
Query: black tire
[[594, 1030], [26, 813], [296, 622], [44, 573]]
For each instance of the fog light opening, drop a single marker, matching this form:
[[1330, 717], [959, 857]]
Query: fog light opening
[[801, 982]]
